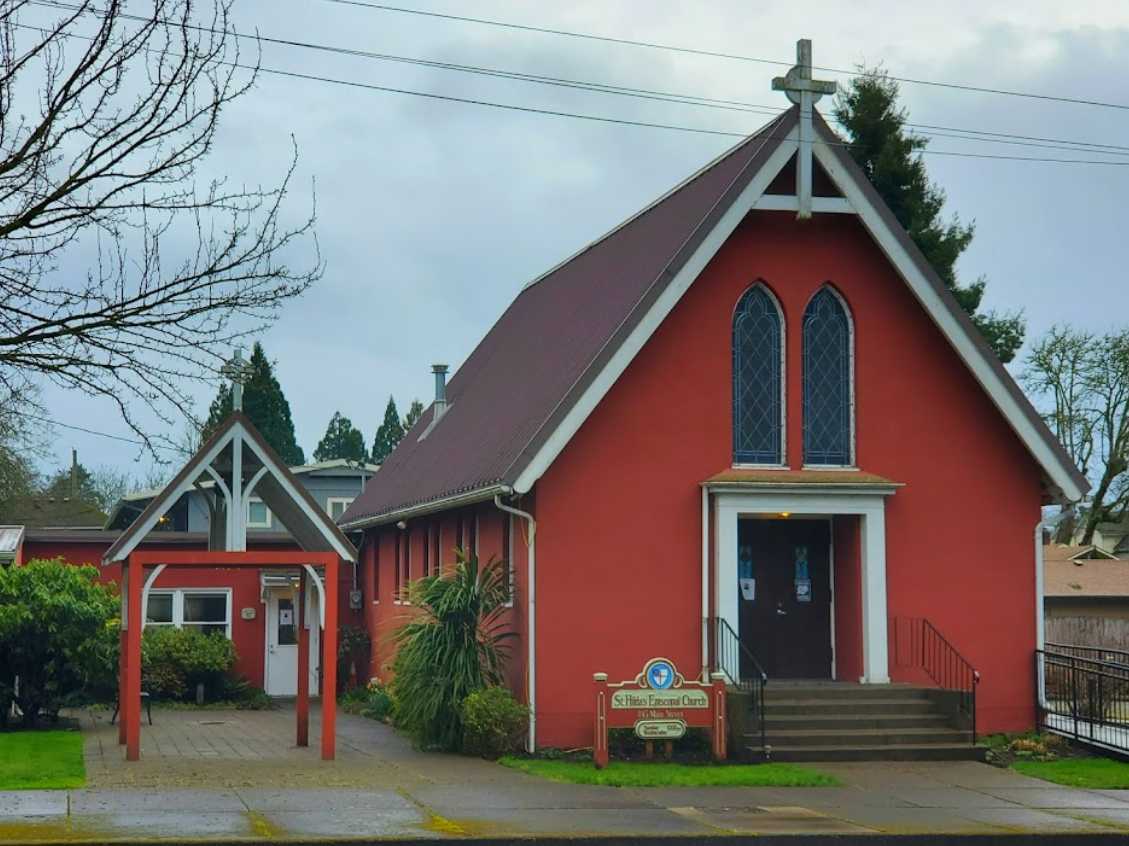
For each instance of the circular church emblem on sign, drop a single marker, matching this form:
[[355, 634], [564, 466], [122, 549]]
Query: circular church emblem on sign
[[660, 674]]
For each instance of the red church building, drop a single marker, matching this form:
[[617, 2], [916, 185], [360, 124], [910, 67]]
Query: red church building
[[751, 413]]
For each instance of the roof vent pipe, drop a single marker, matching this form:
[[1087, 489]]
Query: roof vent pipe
[[440, 371]]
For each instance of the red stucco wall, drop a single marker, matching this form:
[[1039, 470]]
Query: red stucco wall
[[249, 636], [619, 512], [388, 614]]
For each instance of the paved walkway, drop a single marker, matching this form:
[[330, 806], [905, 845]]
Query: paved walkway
[[223, 775]]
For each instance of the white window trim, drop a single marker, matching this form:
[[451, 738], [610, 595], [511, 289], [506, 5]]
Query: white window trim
[[253, 525], [178, 595], [335, 500], [783, 463], [852, 463]]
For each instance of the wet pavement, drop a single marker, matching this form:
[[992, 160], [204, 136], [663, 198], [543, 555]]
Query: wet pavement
[[228, 775]]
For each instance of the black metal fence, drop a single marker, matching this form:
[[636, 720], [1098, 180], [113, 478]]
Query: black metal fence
[[917, 642], [740, 667], [1084, 698]]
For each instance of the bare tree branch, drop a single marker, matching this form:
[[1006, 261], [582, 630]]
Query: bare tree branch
[[105, 121]]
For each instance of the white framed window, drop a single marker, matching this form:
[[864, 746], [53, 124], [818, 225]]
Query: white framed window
[[335, 506], [258, 515], [206, 609]]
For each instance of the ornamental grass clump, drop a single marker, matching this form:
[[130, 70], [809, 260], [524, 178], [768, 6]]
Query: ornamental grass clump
[[457, 646]]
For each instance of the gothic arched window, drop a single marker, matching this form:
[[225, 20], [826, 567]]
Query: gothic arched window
[[758, 408], [828, 401]]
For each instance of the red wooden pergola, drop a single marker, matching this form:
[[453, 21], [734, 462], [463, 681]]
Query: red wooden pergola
[[129, 669], [231, 466]]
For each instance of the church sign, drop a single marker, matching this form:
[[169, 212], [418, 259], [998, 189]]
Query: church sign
[[659, 704]]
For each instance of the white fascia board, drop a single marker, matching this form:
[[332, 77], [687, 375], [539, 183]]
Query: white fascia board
[[790, 202], [170, 498], [424, 508], [950, 327], [651, 321]]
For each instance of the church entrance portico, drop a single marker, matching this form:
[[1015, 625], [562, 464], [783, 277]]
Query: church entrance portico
[[772, 556]]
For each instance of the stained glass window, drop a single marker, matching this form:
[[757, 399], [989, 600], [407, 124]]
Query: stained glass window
[[827, 381], [757, 408]]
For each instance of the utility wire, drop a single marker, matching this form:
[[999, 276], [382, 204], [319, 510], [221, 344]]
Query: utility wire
[[431, 95], [383, 7], [134, 441], [641, 93]]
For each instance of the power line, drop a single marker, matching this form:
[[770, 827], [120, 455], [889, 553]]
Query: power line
[[108, 435], [642, 93], [382, 7], [450, 98]]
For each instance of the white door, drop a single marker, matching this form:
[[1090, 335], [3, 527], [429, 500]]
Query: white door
[[282, 643]]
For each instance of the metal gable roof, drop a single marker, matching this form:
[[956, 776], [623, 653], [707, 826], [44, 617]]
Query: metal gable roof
[[533, 367]]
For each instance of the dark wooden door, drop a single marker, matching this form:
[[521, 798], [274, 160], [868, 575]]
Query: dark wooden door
[[787, 623]]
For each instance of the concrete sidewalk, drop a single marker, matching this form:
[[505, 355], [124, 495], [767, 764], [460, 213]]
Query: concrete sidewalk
[[227, 775]]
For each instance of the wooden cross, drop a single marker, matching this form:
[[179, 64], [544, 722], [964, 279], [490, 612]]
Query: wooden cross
[[801, 89]]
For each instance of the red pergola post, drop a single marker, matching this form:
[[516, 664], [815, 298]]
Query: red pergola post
[[123, 649], [303, 704], [131, 702], [329, 664]]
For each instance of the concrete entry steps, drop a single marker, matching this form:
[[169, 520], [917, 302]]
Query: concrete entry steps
[[829, 721]]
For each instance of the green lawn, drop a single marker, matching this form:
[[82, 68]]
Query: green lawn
[[1099, 773], [625, 774], [41, 759]]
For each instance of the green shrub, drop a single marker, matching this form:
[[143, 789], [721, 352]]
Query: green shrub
[[244, 695], [455, 647], [372, 701], [57, 623], [494, 723], [175, 661]]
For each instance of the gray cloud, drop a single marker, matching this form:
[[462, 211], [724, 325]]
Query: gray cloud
[[433, 215]]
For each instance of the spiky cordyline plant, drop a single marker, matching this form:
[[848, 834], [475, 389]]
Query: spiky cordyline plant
[[457, 646]]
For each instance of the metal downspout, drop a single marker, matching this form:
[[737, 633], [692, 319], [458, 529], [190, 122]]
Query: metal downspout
[[531, 618]]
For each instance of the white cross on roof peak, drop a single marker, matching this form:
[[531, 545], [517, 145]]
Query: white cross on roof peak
[[804, 91]]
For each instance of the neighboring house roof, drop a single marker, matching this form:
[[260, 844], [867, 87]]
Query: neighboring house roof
[[11, 538], [556, 351], [276, 486], [333, 467], [1083, 571], [162, 538], [55, 511]]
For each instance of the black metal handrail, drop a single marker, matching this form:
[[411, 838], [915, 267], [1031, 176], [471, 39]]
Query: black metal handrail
[[727, 655], [941, 662], [1094, 653], [1083, 698]]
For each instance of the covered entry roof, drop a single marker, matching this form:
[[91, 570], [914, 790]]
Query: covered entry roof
[[261, 473]]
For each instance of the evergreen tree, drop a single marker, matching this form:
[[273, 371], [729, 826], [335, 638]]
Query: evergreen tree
[[342, 440], [875, 128], [415, 412], [266, 407], [388, 435]]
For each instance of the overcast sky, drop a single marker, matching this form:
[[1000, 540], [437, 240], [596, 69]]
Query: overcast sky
[[432, 215]]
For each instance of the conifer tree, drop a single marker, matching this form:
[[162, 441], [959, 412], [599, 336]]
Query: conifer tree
[[342, 440], [265, 405], [875, 129], [388, 435], [415, 412]]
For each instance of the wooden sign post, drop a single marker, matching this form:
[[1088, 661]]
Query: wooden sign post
[[659, 704]]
